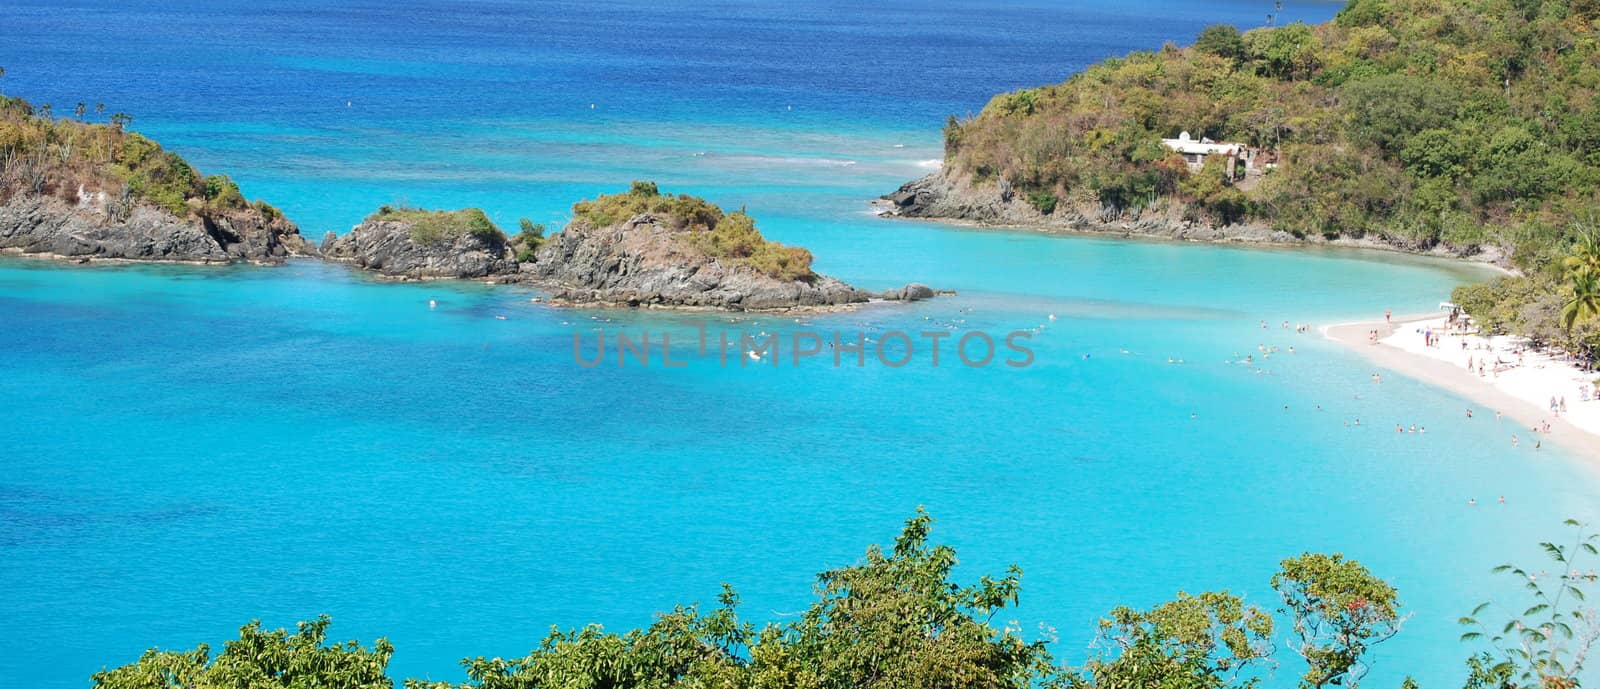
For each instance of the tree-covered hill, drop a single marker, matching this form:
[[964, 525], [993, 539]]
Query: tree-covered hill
[[1466, 122]]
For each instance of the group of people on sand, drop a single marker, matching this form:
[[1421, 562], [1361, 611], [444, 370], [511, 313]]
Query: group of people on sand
[[1558, 406]]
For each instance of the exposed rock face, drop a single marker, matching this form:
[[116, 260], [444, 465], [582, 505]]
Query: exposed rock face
[[946, 195], [35, 224], [389, 247], [915, 291], [645, 262]]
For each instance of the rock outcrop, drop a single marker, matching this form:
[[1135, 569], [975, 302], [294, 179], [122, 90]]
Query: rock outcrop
[[92, 229], [395, 248], [646, 261], [945, 195]]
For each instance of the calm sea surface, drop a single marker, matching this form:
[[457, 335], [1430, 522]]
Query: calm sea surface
[[185, 449]]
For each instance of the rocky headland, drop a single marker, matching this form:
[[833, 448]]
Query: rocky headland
[[642, 248], [414, 244], [80, 191], [94, 229], [644, 261]]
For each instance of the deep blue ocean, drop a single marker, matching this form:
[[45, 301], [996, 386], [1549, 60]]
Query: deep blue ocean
[[184, 449]]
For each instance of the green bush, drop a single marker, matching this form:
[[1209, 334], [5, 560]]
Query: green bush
[[528, 239], [1042, 201], [442, 227]]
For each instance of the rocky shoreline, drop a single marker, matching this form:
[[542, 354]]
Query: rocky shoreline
[[95, 229], [645, 261], [642, 262], [387, 247], [946, 197]]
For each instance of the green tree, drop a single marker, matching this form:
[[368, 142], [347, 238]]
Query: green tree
[[1584, 303], [1546, 644], [1362, 13], [1210, 641], [529, 236], [1340, 610], [260, 660], [1435, 153], [1222, 40], [1287, 52], [1387, 111], [896, 620], [1584, 258]]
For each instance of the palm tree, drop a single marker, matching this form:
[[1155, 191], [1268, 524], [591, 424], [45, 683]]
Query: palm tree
[[1585, 256], [1585, 301]]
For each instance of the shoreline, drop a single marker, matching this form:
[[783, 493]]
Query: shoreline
[[1111, 231], [510, 280], [951, 198], [1520, 392]]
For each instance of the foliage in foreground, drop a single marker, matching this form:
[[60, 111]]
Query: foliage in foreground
[[731, 237], [57, 156], [897, 621]]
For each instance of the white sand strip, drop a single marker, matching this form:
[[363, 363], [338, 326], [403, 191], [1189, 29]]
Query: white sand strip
[[1516, 381]]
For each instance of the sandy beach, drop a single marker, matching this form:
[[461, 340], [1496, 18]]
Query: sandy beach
[[1517, 382]]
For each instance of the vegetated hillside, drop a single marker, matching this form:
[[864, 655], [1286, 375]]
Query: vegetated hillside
[[1463, 122], [76, 188], [44, 154]]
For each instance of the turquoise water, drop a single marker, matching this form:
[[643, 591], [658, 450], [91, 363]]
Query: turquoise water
[[188, 448]]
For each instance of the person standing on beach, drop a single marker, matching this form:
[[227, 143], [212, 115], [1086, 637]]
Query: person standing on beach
[[1388, 316]]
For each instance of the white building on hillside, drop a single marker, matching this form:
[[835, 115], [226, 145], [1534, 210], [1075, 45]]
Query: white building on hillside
[[1194, 153]]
